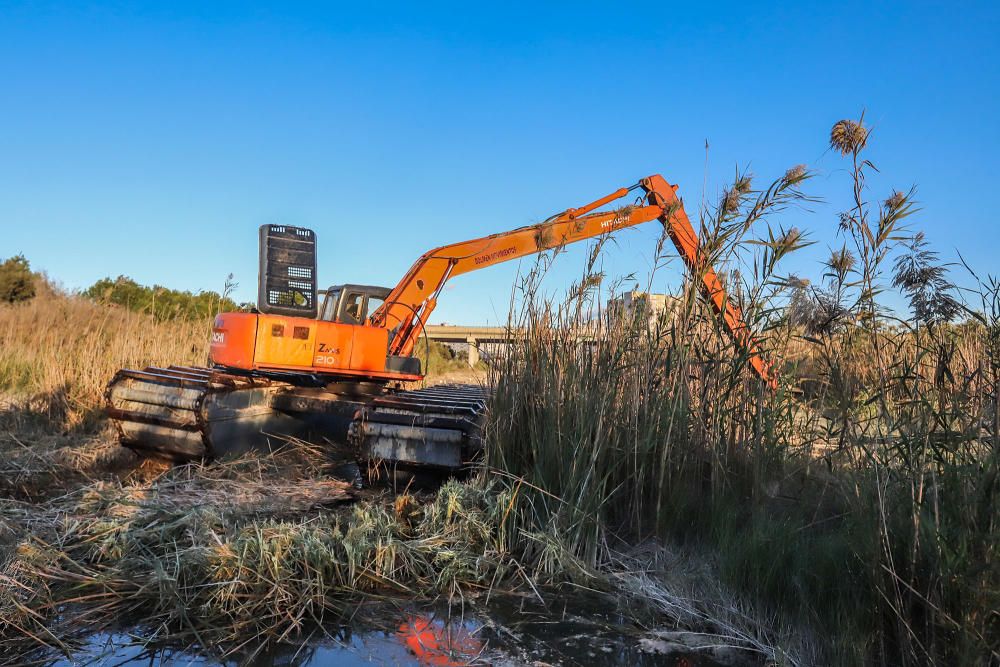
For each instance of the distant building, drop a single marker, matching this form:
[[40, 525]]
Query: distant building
[[635, 302]]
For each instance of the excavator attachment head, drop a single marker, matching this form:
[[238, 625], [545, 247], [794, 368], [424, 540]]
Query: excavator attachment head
[[287, 277]]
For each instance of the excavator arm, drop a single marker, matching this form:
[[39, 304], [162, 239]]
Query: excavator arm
[[409, 305]]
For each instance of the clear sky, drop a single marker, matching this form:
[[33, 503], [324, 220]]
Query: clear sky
[[152, 140]]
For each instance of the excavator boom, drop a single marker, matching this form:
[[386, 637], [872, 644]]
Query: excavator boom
[[408, 307]]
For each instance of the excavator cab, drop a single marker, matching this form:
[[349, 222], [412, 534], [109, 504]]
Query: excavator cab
[[352, 304], [287, 281]]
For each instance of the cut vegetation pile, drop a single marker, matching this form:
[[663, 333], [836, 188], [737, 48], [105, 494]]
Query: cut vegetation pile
[[257, 546]]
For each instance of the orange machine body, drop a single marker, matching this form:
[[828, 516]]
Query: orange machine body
[[259, 342]]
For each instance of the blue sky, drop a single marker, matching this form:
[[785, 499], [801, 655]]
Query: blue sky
[[152, 140]]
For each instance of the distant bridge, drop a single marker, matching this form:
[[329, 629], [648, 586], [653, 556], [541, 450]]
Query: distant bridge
[[476, 336], [653, 305], [473, 336]]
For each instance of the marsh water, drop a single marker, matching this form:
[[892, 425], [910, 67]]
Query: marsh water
[[568, 630]]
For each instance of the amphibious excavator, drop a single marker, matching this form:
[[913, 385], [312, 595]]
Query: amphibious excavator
[[339, 365]]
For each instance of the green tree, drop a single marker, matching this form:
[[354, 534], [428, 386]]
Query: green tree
[[162, 302], [16, 280]]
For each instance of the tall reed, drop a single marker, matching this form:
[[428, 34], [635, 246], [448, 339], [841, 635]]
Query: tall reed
[[861, 498]]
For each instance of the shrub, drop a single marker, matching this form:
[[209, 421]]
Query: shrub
[[16, 280]]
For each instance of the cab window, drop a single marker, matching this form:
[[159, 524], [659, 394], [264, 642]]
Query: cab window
[[374, 303], [329, 311], [354, 308]]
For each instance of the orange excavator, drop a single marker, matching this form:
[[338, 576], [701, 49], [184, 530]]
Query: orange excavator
[[338, 368]]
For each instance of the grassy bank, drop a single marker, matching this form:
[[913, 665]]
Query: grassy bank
[[266, 549], [250, 548]]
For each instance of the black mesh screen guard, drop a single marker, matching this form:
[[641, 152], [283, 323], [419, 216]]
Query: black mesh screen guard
[[287, 278]]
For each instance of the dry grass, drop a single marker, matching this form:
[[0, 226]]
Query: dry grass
[[58, 352]]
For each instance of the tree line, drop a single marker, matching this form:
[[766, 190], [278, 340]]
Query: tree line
[[19, 284]]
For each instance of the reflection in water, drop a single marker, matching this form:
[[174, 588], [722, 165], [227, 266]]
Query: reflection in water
[[566, 631], [435, 642]]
